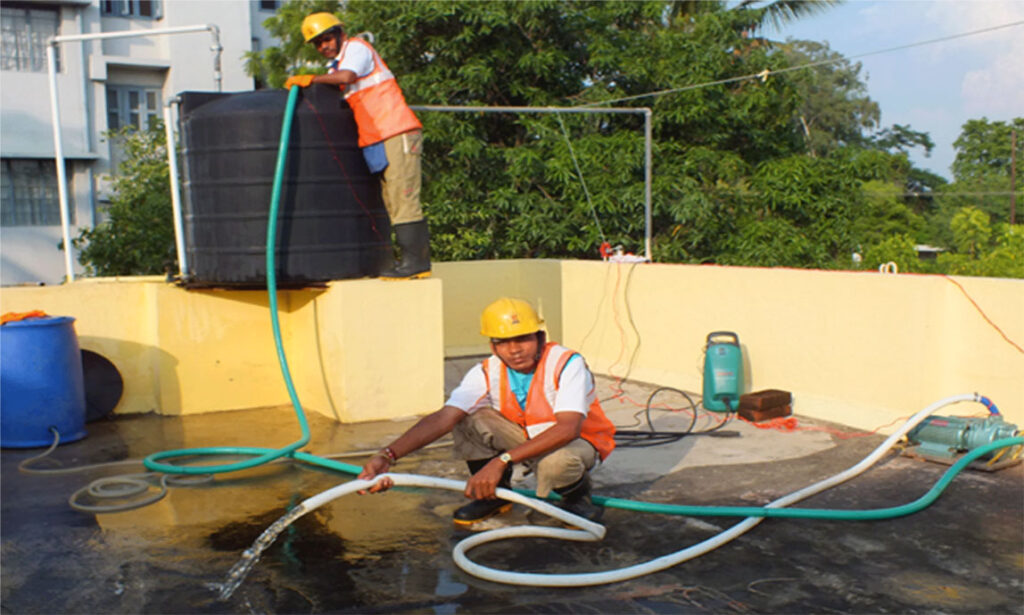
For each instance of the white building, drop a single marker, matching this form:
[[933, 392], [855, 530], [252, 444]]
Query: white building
[[101, 85]]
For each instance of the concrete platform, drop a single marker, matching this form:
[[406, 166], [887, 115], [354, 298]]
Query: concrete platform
[[392, 553]]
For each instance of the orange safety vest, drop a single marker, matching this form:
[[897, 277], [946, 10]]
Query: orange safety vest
[[540, 400], [377, 102]]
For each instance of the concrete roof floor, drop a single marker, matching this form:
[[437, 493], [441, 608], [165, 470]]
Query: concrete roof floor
[[392, 553]]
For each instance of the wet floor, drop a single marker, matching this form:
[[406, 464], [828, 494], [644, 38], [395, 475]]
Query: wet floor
[[392, 553]]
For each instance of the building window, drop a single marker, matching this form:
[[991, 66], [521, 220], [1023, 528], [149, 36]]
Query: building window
[[26, 29], [131, 8], [28, 193], [132, 106], [268, 5]]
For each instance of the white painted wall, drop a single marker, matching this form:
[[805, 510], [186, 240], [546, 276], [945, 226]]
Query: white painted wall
[[178, 62]]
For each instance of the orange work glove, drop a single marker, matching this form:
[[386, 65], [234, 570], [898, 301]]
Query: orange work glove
[[303, 81]]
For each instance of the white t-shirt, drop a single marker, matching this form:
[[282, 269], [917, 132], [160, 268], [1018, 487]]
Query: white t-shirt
[[355, 57], [574, 387]]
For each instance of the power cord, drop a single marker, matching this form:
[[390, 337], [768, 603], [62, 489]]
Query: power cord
[[627, 438]]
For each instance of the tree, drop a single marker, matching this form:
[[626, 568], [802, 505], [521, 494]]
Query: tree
[[137, 238], [835, 109], [732, 182], [1005, 259], [501, 186], [897, 249], [981, 169], [971, 231]]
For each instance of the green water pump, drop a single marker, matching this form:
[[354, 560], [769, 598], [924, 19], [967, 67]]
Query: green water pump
[[723, 372], [949, 436]]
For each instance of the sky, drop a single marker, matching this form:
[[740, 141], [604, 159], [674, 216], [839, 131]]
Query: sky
[[934, 88]]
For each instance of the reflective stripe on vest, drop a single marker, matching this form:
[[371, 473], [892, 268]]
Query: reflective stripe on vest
[[540, 401], [377, 102]]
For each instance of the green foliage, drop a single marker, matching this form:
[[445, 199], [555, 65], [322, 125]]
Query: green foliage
[[971, 231], [137, 238], [777, 171], [1005, 260], [884, 214], [273, 65], [897, 249], [981, 169], [834, 106]]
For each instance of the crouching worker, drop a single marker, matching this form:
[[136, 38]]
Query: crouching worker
[[531, 402]]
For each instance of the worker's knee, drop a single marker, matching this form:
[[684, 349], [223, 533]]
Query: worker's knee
[[560, 468]]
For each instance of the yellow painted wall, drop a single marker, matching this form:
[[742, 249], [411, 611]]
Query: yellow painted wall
[[113, 317], [860, 349], [358, 350], [469, 286]]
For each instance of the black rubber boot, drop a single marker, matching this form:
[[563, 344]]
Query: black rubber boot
[[576, 499], [478, 510], [413, 239]]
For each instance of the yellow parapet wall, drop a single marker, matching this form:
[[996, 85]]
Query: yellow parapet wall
[[358, 350], [469, 286], [861, 349]]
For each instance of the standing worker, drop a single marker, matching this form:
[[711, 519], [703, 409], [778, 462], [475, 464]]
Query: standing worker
[[390, 135], [531, 402]]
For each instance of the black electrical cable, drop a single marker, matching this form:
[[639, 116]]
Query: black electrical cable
[[642, 439]]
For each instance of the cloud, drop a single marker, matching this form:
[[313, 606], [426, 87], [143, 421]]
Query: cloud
[[990, 82]]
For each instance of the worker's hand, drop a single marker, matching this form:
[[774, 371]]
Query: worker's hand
[[303, 81], [378, 464], [481, 485]]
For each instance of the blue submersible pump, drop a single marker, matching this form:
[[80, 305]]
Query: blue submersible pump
[[723, 372]]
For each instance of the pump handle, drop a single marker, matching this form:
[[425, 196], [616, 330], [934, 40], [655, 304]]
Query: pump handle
[[735, 338]]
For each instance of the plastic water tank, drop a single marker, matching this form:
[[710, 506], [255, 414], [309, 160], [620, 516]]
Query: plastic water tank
[[41, 383], [332, 223]]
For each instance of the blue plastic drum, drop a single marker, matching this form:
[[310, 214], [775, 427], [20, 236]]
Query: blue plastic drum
[[41, 384]]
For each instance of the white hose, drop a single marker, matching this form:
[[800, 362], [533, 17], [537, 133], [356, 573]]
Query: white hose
[[590, 531]]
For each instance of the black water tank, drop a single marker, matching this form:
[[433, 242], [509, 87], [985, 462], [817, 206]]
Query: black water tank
[[331, 220]]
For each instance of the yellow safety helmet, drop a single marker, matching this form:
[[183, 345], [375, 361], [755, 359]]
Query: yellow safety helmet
[[316, 24], [508, 317]]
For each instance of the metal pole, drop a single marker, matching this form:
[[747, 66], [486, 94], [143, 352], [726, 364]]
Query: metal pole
[[58, 153], [58, 149], [67, 38], [172, 167], [646, 111], [1013, 176], [648, 213]]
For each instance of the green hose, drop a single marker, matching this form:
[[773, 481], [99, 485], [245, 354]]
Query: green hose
[[815, 513], [264, 455], [259, 455]]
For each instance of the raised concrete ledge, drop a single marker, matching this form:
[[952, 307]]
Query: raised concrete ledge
[[859, 349], [358, 350]]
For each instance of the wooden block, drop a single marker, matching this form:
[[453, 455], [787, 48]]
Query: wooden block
[[762, 400], [768, 413]]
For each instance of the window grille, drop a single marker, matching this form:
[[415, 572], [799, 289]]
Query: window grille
[[24, 31], [28, 193], [132, 106], [150, 9]]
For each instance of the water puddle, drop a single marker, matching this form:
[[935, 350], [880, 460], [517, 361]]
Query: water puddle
[[252, 555]]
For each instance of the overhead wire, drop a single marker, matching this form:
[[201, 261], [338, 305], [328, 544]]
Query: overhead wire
[[579, 173], [764, 74]]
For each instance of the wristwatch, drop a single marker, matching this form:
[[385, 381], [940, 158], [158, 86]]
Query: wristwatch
[[505, 458]]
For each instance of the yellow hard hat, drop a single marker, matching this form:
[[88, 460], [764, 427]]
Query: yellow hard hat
[[508, 317], [316, 24]]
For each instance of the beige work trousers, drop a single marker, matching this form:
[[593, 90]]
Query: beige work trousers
[[486, 433], [401, 180]]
